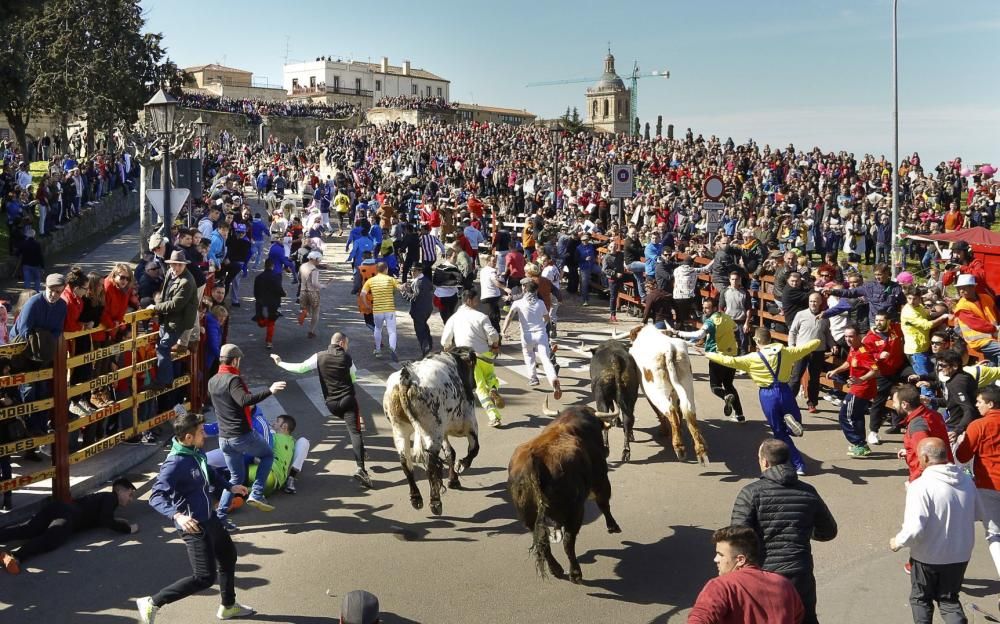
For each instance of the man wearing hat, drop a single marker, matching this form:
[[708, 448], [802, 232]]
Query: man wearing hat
[[177, 310], [158, 247], [976, 317], [232, 402], [43, 315], [309, 294], [359, 607]]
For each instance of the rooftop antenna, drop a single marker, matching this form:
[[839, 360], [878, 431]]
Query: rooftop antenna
[[287, 40]]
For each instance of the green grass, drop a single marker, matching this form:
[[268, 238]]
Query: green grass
[[37, 169]]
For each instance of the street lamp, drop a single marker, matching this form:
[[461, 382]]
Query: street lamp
[[263, 124], [202, 126], [895, 250], [161, 110]]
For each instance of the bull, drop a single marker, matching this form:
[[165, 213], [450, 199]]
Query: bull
[[668, 383], [426, 402], [550, 478], [614, 381]]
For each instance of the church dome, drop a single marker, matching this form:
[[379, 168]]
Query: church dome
[[610, 80]]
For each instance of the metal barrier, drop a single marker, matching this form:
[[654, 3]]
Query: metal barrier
[[62, 392]]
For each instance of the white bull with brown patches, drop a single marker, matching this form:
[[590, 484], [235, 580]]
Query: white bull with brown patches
[[668, 383]]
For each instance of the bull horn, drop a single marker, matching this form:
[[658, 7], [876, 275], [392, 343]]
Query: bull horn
[[546, 411], [608, 416]]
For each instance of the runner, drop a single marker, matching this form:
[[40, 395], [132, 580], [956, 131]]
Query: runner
[[534, 319]]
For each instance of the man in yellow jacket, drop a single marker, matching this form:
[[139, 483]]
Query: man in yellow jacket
[[917, 326], [770, 367]]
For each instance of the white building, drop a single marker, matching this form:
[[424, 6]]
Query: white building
[[360, 81]]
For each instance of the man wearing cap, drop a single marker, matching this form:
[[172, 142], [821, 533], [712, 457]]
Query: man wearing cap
[[158, 247], [309, 293], [43, 315], [232, 402], [176, 310], [359, 607], [976, 318]]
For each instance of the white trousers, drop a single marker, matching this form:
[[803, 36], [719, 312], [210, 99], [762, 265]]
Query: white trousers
[[299, 455], [537, 347], [389, 320]]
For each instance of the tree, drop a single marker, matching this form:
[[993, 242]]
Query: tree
[[87, 57], [571, 120]]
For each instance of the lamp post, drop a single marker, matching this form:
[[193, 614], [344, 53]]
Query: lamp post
[[895, 250], [263, 124], [162, 111], [202, 126]]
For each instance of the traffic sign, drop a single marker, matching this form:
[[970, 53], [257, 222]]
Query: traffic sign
[[713, 188], [622, 181], [713, 216], [177, 198]]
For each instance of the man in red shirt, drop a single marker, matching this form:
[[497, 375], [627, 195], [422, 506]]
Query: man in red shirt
[[968, 264], [885, 342], [918, 422], [743, 593], [861, 369], [982, 444]]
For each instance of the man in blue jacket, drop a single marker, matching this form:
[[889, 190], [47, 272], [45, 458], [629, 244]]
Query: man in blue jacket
[[586, 258], [181, 493]]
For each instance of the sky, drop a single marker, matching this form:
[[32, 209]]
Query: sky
[[805, 72]]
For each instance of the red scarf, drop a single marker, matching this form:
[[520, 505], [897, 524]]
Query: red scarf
[[232, 370]]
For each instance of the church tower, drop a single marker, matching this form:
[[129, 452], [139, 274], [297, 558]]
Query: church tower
[[609, 102]]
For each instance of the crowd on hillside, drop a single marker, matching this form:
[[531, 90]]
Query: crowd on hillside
[[256, 109], [414, 102]]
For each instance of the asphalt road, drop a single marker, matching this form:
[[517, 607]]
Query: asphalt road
[[471, 564]]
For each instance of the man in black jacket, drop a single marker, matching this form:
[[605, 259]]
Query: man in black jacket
[[786, 514], [961, 389], [232, 400], [56, 522], [794, 298], [336, 377], [420, 294]]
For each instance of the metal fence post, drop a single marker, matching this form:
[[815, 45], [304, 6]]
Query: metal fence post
[[60, 420]]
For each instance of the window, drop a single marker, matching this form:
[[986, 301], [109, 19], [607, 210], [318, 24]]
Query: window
[[336, 83], [378, 85], [593, 113], [413, 89], [312, 82], [357, 85], [439, 92], [606, 107], [295, 83], [428, 90]]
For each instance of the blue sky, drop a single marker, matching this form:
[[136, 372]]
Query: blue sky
[[780, 71]]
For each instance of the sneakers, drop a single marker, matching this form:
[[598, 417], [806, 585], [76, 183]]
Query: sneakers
[[812, 409], [794, 426], [393, 356], [585, 304], [302, 317], [533, 381], [259, 503], [495, 422], [361, 476], [497, 399], [859, 451], [736, 418], [376, 353], [614, 318], [800, 471], [289, 486], [873, 438], [10, 563], [147, 610], [908, 568], [728, 409], [556, 390], [230, 526], [80, 408], [235, 611]]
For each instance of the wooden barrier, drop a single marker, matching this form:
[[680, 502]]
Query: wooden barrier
[[62, 393]]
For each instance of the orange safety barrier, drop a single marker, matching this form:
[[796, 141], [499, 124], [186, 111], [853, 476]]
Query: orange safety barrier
[[63, 392]]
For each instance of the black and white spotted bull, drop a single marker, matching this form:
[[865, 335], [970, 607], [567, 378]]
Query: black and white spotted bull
[[550, 478], [614, 380], [426, 402]]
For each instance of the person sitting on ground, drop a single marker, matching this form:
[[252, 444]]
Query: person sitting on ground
[[289, 453], [56, 522]]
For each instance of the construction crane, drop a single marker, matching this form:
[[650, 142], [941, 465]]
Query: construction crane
[[634, 88]]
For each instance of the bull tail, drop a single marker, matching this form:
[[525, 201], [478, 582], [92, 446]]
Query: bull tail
[[526, 492], [406, 390]]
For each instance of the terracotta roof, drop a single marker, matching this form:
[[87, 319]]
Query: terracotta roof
[[213, 66], [495, 109], [398, 71]]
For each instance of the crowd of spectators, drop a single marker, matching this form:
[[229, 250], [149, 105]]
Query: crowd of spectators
[[413, 102], [255, 109]]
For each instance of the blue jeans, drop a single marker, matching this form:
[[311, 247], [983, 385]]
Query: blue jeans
[[585, 282], [257, 254], [921, 364], [32, 277], [164, 365], [233, 450], [992, 351], [638, 270]]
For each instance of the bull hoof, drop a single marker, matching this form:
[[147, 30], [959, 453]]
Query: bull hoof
[[681, 453], [631, 437], [454, 484], [556, 570], [626, 456], [436, 508], [575, 577], [461, 466], [417, 502], [614, 528], [607, 452], [703, 459]]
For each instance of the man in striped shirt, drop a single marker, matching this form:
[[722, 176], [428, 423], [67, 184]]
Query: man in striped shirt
[[429, 247], [383, 290]]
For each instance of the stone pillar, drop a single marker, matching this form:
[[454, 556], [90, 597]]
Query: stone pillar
[[145, 218]]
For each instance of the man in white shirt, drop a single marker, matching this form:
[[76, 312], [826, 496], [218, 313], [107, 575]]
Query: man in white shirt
[[685, 283], [468, 327], [938, 526], [534, 319]]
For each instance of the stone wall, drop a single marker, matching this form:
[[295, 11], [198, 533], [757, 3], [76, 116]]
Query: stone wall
[[111, 212], [379, 116], [283, 128]]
